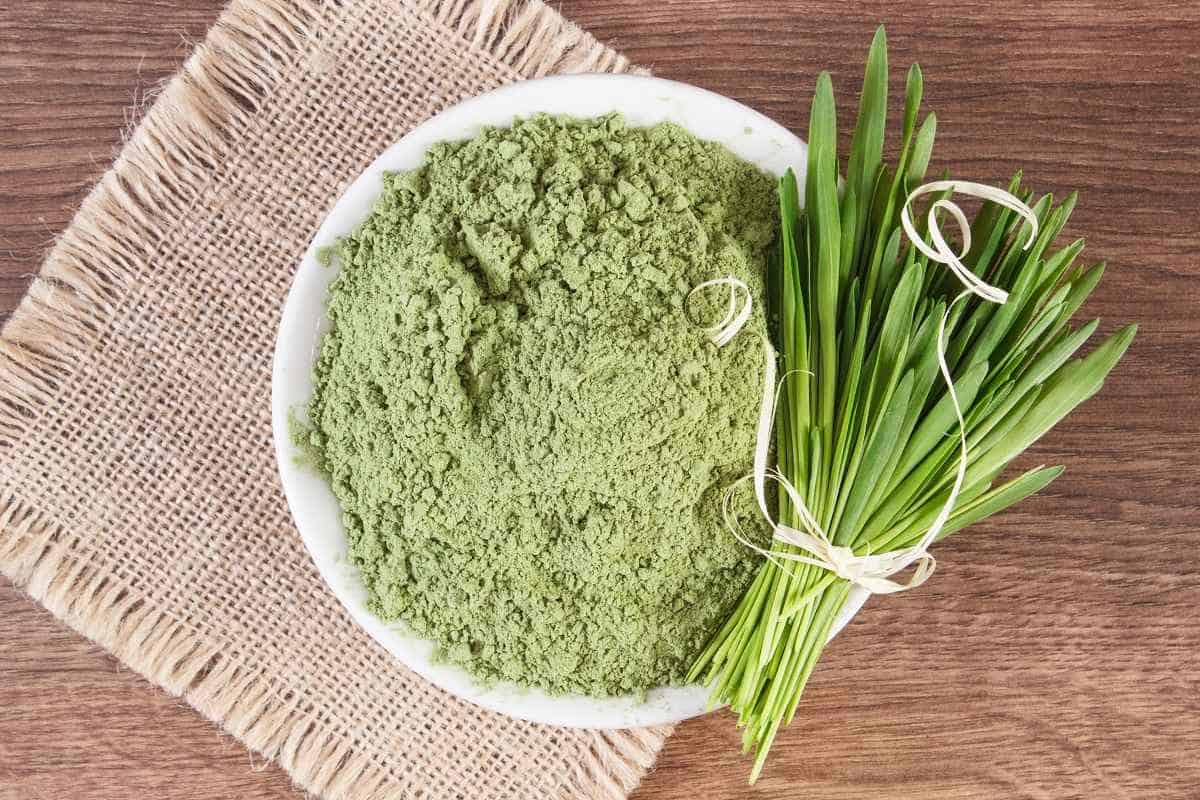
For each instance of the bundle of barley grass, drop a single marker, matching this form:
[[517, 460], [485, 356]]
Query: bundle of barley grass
[[866, 430]]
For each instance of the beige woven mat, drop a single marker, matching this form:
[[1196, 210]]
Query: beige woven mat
[[138, 494]]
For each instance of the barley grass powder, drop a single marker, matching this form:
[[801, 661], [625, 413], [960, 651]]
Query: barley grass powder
[[527, 434]]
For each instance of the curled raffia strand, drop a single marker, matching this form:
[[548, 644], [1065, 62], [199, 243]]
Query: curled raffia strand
[[735, 318], [942, 252], [871, 571]]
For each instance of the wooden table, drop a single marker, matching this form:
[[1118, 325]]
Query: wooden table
[[1057, 652]]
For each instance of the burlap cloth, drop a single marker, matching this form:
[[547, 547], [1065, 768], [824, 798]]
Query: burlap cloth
[[139, 499]]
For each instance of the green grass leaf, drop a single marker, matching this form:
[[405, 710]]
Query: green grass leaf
[[874, 461], [866, 146], [998, 499], [1067, 388], [922, 151]]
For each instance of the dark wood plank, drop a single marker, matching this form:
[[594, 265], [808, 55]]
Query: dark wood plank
[[73, 74], [1057, 653], [76, 724]]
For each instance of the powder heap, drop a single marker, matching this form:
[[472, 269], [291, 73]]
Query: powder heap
[[528, 437]]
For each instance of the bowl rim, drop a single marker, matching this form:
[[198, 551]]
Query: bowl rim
[[642, 100]]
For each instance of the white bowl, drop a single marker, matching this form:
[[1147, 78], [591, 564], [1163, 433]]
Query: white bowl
[[643, 101]]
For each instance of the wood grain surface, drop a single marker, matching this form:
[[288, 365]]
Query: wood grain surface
[[1057, 652]]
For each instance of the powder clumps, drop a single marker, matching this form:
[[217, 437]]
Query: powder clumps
[[528, 437]]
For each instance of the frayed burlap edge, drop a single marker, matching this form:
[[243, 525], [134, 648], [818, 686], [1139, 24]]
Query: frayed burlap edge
[[110, 242]]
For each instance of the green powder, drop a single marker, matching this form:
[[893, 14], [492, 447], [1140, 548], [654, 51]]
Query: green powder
[[527, 436]]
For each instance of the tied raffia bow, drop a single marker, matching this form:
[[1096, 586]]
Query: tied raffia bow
[[872, 571]]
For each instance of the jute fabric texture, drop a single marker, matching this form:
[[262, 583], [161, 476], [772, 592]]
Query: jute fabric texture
[[139, 500]]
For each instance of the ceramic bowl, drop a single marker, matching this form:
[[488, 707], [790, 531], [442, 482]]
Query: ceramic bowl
[[643, 101]]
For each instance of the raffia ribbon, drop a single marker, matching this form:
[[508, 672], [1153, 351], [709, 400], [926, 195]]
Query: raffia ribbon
[[872, 571]]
